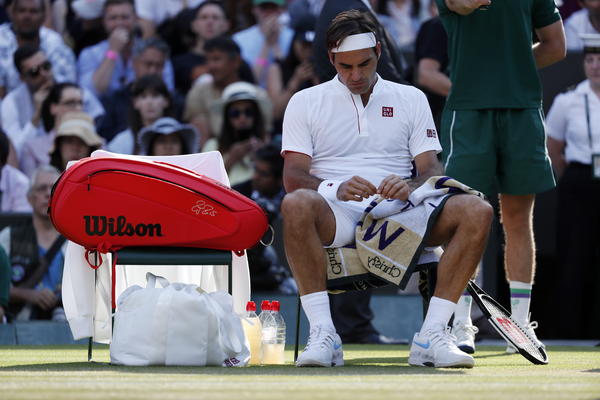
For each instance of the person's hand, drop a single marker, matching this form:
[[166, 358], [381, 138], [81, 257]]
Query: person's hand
[[43, 298], [40, 95], [356, 189], [270, 27], [238, 151], [118, 39], [303, 72], [394, 187]]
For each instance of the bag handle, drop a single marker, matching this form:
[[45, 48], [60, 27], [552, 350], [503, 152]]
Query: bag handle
[[151, 280], [227, 334]]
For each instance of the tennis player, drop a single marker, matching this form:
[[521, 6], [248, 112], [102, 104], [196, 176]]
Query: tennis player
[[344, 142]]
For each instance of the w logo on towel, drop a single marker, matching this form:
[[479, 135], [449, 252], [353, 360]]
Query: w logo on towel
[[384, 240]]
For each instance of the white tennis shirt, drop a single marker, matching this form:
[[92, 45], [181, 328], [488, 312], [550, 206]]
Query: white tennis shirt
[[329, 123]]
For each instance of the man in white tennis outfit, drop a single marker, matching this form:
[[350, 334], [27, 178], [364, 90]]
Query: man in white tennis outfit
[[345, 142]]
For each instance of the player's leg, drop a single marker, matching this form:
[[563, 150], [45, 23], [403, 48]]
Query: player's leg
[[469, 156], [463, 226], [523, 171], [309, 223]]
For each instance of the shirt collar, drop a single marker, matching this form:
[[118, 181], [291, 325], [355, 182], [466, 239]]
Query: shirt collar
[[583, 87]]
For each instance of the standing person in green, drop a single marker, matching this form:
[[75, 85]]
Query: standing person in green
[[492, 126]]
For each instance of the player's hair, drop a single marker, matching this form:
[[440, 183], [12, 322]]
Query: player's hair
[[348, 23]]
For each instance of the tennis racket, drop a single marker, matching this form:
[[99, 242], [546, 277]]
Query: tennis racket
[[507, 327]]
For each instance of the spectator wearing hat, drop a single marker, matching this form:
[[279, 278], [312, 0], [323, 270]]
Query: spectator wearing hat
[[62, 98], [108, 65], [203, 106], [75, 139], [150, 100], [290, 75], [242, 133], [584, 21], [13, 183], [573, 130], [26, 28], [168, 137], [266, 41]]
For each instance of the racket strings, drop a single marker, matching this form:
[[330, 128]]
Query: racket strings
[[518, 334]]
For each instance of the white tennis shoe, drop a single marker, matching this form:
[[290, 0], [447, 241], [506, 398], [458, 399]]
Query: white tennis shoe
[[465, 336], [437, 348], [324, 349], [529, 327]]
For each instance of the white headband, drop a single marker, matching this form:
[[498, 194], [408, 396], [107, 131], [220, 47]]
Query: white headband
[[356, 42]]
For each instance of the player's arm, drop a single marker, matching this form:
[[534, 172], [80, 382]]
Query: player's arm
[[552, 46], [296, 175], [395, 187], [466, 7]]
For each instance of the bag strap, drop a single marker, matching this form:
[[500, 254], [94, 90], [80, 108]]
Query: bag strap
[[44, 262], [151, 280]]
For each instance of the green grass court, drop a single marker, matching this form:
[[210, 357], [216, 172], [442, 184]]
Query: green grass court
[[371, 372]]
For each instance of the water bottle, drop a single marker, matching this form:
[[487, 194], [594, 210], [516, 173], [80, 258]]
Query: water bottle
[[253, 331], [274, 337], [265, 311]]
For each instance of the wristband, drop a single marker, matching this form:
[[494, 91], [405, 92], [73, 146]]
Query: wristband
[[111, 55], [328, 189], [263, 62]]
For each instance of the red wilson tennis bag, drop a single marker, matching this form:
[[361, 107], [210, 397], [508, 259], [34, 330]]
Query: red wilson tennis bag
[[108, 203]]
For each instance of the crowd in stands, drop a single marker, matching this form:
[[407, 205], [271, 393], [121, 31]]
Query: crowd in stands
[[153, 77]]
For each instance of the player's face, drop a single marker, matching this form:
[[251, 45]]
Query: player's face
[[591, 66], [357, 69]]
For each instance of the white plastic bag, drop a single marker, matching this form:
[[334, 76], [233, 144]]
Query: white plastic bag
[[177, 325]]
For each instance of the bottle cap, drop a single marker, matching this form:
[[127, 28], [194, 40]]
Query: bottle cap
[[265, 305], [251, 306], [275, 305]]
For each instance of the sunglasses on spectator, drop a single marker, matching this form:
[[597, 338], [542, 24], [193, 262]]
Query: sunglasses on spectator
[[236, 113], [35, 71], [71, 103]]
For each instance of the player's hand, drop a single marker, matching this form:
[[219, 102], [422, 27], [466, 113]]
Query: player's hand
[[356, 189], [394, 187], [118, 39]]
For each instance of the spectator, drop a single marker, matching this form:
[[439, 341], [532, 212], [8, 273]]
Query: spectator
[[108, 66], [85, 25], [243, 131], [390, 67], [62, 98], [26, 28], [431, 61], [168, 137], [149, 58], [209, 22], [573, 129], [4, 284], [492, 129], [584, 21], [152, 13], [203, 106], [75, 139], [13, 183], [36, 256], [150, 100], [292, 74], [266, 41], [21, 109], [266, 188], [406, 16]]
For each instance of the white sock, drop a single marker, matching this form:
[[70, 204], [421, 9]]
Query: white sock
[[462, 313], [438, 314], [316, 308], [520, 298]]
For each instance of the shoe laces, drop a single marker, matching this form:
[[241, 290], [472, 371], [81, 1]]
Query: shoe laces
[[320, 337], [466, 329], [444, 337]]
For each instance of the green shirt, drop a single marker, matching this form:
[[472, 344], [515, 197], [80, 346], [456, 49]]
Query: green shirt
[[491, 57]]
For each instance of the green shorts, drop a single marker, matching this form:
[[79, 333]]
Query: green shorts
[[497, 150]]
